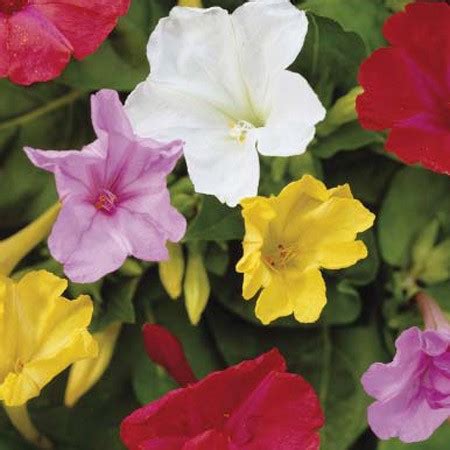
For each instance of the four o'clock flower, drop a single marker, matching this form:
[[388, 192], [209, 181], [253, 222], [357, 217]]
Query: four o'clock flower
[[407, 86], [289, 238], [38, 37], [254, 405], [115, 202], [219, 82], [413, 391]]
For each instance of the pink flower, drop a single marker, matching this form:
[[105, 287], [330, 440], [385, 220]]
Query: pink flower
[[115, 202], [413, 391], [254, 405], [38, 37]]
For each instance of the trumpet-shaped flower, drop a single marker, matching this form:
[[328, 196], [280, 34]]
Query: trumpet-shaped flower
[[219, 82], [38, 37], [115, 202], [41, 333], [289, 238], [407, 86], [413, 391], [254, 405]]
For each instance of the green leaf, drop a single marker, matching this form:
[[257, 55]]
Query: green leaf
[[348, 137], [438, 441], [116, 305], [415, 197], [215, 222], [330, 57], [365, 17], [332, 359], [41, 116]]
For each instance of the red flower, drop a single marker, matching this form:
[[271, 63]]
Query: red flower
[[407, 86], [255, 405], [37, 37]]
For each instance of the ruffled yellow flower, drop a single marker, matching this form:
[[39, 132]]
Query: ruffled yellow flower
[[289, 238], [41, 333]]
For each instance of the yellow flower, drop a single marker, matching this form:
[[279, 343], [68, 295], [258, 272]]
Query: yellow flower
[[41, 333], [289, 238]]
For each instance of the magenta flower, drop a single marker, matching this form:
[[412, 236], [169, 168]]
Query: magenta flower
[[115, 202], [413, 391]]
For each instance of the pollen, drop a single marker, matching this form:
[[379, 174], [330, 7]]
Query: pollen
[[106, 201], [281, 256], [239, 130]]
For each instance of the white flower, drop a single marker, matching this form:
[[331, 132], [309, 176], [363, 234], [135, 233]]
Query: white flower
[[219, 82]]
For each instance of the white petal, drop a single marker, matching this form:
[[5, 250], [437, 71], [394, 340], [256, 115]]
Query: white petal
[[193, 50], [165, 113], [218, 165], [295, 109], [270, 35]]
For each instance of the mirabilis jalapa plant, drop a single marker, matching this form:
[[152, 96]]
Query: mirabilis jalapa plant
[[243, 92]]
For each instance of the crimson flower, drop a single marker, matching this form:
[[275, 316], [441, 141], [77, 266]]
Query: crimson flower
[[407, 86], [255, 405], [38, 37]]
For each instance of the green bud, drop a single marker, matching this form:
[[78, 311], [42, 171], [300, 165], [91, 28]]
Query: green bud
[[342, 112]]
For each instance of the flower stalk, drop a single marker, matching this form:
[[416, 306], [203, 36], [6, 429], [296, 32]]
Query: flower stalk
[[20, 418]]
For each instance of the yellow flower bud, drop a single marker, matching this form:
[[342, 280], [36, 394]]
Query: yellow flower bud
[[16, 247], [196, 285], [190, 3], [171, 271], [85, 373]]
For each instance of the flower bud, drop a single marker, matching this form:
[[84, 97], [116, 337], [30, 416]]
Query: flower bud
[[342, 112], [171, 271], [85, 373], [196, 285], [16, 247]]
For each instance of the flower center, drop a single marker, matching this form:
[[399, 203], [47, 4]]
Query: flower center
[[106, 201], [19, 366], [239, 130], [280, 258], [12, 6]]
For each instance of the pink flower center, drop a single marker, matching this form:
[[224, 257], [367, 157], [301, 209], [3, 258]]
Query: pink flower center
[[106, 201], [12, 6]]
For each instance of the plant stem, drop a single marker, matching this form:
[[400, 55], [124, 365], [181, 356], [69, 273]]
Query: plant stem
[[21, 420], [42, 110]]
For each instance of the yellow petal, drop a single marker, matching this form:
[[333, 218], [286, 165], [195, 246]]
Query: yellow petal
[[42, 334], [255, 280], [336, 220], [342, 191], [196, 286], [308, 295], [294, 201], [14, 248], [85, 373], [273, 302], [171, 271], [342, 254]]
